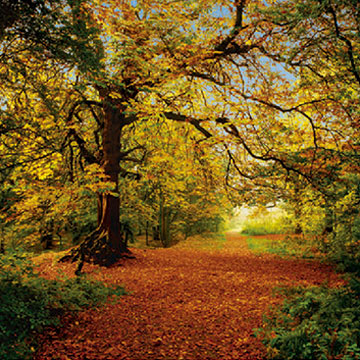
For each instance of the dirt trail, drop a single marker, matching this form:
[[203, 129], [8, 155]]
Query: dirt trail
[[184, 304]]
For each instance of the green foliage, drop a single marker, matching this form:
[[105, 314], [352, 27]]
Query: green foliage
[[343, 245], [61, 30], [258, 227], [331, 222], [307, 212], [298, 246], [348, 263], [30, 303], [82, 224], [202, 225], [263, 222], [315, 323]]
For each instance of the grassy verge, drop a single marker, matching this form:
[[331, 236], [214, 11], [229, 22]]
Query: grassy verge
[[261, 221], [283, 245], [30, 303], [315, 323], [312, 323]]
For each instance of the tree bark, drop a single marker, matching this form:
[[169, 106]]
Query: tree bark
[[147, 233], [2, 246], [164, 222], [106, 244]]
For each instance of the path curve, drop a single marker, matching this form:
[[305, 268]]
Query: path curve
[[184, 304]]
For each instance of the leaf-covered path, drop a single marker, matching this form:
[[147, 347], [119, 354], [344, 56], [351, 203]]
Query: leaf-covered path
[[184, 304]]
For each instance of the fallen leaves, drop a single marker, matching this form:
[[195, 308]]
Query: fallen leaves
[[184, 304]]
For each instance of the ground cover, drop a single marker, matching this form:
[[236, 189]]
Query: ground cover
[[184, 303], [285, 245]]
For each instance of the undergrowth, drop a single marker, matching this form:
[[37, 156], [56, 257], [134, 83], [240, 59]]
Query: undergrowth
[[255, 229], [264, 222], [315, 323], [30, 303], [291, 245]]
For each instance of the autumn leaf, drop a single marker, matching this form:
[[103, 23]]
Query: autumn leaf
[[184, 302]]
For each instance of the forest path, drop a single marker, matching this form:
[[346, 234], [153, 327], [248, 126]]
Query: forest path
[[184, 303]]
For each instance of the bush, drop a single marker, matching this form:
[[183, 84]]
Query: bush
[[315, 323], [30, 303], [347, 262], [343, 246]]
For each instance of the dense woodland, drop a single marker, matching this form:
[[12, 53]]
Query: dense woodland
[[153, 120]]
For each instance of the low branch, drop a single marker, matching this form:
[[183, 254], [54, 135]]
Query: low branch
[[79, 103], [124, 154], [292, 109], [90, 158]]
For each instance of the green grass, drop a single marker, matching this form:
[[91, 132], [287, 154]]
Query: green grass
[[264, 245], [260, 221], [265, 225], [284, 246]]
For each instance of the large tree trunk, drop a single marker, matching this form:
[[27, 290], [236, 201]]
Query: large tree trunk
[[106, 244]]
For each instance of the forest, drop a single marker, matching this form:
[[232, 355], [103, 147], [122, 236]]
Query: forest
[[179, 179]]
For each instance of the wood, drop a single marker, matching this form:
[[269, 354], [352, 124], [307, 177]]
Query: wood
[[106, 244]]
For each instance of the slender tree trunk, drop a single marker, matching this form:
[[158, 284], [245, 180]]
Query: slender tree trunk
[[164, 222], [156, 232], [297, 211], [147, 233], [47, 235], [2, 246]]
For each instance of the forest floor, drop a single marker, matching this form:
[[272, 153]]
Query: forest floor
[[183, 303]]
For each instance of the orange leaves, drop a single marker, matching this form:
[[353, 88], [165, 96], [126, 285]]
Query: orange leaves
[[184, 304]]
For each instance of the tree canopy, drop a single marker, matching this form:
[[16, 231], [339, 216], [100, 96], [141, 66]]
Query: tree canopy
[[119, 111]]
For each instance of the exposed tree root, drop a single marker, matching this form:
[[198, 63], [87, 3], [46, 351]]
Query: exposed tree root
[[96, 249]]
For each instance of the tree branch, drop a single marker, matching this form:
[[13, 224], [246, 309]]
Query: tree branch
[[182, 118], [90, 158], [123, 154], [222, 47], [350, 50]]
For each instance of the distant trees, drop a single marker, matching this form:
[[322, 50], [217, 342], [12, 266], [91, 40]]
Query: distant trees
[[268, 95]]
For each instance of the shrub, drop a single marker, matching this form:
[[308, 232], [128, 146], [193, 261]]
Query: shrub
[[30, 303], [316, 323]]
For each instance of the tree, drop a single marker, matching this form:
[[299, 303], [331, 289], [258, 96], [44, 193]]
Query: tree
[[145, 55], [226, 69], [182, 180], [324, 37], [113, 87]]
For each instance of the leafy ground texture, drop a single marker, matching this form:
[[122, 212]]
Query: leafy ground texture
[[186, 302]]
